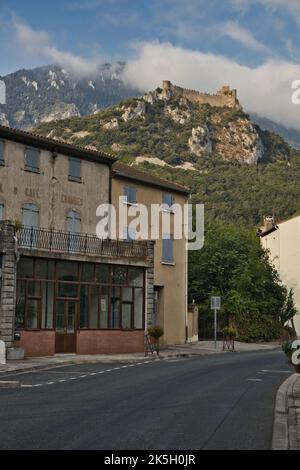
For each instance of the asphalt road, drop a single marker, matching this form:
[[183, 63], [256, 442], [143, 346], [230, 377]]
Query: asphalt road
[[212, 402]]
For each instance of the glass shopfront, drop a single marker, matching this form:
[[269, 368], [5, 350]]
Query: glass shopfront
[[68, 296]]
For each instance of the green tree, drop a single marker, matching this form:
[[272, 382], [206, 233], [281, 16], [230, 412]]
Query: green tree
[[289, 311], [234, 265]]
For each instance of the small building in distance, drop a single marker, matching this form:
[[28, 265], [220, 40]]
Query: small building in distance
[[282, 240]]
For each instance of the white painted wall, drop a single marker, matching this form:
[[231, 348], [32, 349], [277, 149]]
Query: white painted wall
[[284, 246]]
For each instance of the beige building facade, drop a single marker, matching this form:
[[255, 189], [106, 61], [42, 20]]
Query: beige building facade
[[62, 288], [282, 241], [170, 255]]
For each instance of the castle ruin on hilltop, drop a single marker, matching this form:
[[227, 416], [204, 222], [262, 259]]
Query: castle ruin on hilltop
[[226, 97]]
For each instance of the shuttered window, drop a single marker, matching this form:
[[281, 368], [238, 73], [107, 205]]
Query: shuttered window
[[30, 215], [32, 159], [168, 200], [168, 249], [130, 195], [75, 169]]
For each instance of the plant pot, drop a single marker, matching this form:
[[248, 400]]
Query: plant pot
[[15, 354]]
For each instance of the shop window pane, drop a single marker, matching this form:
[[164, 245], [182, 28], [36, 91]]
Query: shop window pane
[[119, 275], [47, 305], [104, 302], [60, 316], [87, 274], [139, 309], [67, 271], [71, 317], [34, 289], [102, 274], [68, 290], [136, 277], [126, 316], [127, 294], [32, 314], [44, 269], [25, 268], [94, 307], [115, 308], [41, 269], [84, 307], [20, 304]]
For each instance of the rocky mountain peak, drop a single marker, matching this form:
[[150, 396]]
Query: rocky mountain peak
[[178, 128]]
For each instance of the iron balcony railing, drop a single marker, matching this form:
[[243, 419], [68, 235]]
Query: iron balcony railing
[[67, 242]]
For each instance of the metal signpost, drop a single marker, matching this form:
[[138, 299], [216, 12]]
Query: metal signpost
[[216, 305]]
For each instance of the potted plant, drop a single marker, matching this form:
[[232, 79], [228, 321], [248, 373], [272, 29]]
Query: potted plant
[[290, 349], [155, 333], [229, 335]]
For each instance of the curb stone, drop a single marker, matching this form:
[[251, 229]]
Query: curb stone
[[287, 416]]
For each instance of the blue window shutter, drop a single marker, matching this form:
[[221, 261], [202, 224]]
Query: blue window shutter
[[32, 158], [168, 249], [168, 199], [130, 194], [75, 168]]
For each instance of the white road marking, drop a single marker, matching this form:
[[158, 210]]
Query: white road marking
[[254, 380], [271, 371], [84, 376]]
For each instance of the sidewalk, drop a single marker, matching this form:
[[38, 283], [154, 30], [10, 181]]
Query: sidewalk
[[286, 434], [186, 350]]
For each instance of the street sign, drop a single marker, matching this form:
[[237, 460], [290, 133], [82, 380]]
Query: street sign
[[216, 303]]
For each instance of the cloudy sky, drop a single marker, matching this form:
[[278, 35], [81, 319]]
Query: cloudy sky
[[252, 45]]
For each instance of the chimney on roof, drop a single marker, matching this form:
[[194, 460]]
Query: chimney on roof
[[269, 222]]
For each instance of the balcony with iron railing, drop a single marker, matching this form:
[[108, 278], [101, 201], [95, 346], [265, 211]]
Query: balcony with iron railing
[[58, 241]]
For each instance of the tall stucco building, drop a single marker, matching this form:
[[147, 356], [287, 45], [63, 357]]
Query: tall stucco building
[[282, 242], [170, 254]]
